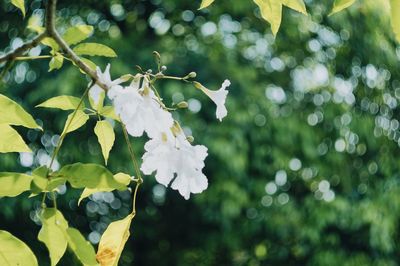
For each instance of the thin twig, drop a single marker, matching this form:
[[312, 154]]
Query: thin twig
[[22, 49], [132, 153], [65, 132], [137, 169], [51, 31]]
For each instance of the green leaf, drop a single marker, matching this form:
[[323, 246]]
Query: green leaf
[[81, 175], [109, 112], [62, 102], [297, 5], [271, 11], [339, 5], [11, 141], [53, 233], [75, 121], [12, 113], [206, 3], [89, 63], [41, 183], [15, 252], [20, 5], [121, 178], [83, 250], [94, 49], [113, 240], [105, 136], [78, 33], [395, 17], [35, 23], [56, 62], [51, 43], [13, 184]]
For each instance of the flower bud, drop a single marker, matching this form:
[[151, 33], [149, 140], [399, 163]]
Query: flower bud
[[182, 105], [190, 139], [198, 85], [126, 77], [157, 55], [192, 75], [163, 68]]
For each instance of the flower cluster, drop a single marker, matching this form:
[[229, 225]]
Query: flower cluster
[[168, 153]]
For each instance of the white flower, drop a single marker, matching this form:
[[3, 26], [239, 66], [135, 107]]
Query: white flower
[[140, 110], [219, 98], [175, 159], [95, 93], [105, 78]]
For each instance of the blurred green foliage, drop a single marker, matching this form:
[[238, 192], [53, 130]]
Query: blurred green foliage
[[303, 171]]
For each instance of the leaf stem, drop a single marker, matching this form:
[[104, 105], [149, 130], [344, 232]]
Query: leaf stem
[[21, 58], [136, 166], [68, 125]]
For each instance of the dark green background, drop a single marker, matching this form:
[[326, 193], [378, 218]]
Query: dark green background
[[235, 221]]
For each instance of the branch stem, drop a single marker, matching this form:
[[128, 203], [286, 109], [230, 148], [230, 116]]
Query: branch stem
[[136, 166], [51, 31]]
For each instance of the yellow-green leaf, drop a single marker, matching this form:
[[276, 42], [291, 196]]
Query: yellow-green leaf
[[339, 5], [20, 5], [11, 141], [78, 33], [88, 62], [206, 3], [63, 102], [297, 5], [113, 240], [105, 136], [56, 62], [13, 184], [271, 11], [94, 49], [41, 183], [15, 252], [51, 43], [75, 121], [35, 23], [12, 113], [53, 233], [109, 112], [395, 17], [89, 175], [121, 178], [83, 250]]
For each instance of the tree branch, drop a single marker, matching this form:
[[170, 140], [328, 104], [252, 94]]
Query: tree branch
[[52, 32], [22, 49]]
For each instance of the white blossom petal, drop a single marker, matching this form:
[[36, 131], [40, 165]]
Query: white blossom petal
[[219, 98], [139, 110], [174, 157], [95, 93]]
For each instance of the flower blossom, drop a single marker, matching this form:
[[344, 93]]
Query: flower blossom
[[105, 78], [175, 159], [139, 109], [218, 97]]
